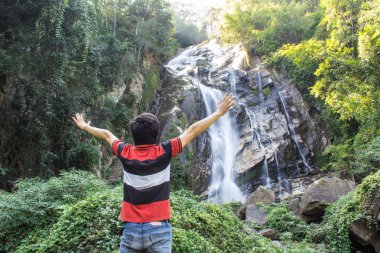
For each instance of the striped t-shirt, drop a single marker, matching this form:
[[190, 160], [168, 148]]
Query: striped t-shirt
[[146, 179]]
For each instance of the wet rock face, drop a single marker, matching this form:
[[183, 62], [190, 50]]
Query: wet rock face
[[179, 104], [267, 107]]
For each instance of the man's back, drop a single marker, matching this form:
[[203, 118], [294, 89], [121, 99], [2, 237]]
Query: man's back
[[146, 179]]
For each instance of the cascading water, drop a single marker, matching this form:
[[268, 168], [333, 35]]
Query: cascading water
[[223, 133], [238, 147], [223, 147], [293, 134]]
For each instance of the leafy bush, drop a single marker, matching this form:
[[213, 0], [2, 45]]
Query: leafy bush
[[290, 226], [358, 204], [366, 158], [334, 230], [338, 156], [351, 159], [91, 225], [368, 196], [191, 241], [216, 223], [38, 203], [220, 227]]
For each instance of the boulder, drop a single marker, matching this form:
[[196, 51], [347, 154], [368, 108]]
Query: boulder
[[256, 214], [285, 196], [261, 195], [278, 244], [294, 206], [248, 229], [268, 233], [365, 235], [320, 192]]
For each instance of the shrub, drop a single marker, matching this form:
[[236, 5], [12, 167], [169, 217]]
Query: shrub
[[216, 223], [366, 159], [368, 195], [91, 225], [290, 226], [38, 203], [191, 241], [335, 224], [358, 204]]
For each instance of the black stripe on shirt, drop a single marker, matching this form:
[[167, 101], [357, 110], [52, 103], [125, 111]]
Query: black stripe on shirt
[[147, 167], [146, 196]]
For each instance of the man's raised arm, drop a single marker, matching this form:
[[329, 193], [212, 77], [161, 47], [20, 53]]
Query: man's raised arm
[[199, 127], [100, 133]]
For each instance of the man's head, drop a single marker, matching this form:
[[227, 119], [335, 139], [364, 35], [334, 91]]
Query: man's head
[[145, 129]]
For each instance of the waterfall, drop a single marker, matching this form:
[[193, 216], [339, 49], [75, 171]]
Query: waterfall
[[223, 133], [293, 134], [237, 147], [223, 147]]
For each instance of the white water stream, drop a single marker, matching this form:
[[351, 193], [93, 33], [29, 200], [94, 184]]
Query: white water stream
[[223, 133]]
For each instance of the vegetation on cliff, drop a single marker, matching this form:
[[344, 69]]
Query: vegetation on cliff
[[330, 49], [62, 57]]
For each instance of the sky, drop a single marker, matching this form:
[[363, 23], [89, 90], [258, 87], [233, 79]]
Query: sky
[[199, 4]]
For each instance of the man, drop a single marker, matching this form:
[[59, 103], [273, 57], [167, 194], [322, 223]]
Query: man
[[145, 207]]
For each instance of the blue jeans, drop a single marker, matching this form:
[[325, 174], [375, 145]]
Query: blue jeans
[[147, 237]]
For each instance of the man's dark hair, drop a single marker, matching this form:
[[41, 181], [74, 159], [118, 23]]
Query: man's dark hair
[[145, 129]]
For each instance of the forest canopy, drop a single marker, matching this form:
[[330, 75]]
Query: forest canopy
[[60, 57]]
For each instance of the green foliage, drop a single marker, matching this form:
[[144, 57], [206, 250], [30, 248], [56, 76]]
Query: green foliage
[[300, 61], [290, 226], [338, 157], [81, 215], [359, 204], [62, 57], [37, 203], [191, 241], [366, 158], [219, 227], [369, 37], [187, 33], [341, 19], [151, 84], [357, 160], [216, 223], [347, 85], [368, 195], [334, 230], [87, 226], [84, 155], [332, 55], [264, 27]]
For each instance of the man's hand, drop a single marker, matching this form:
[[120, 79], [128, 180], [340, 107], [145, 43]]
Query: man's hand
[[225, 105], [79, 121], [103, 134], [198, 127]]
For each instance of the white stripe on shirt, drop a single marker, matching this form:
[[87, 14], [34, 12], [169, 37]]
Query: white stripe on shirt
[[144, 182]]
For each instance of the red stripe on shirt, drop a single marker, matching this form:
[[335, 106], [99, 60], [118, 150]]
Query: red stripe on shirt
[[156, 211], [115, 146], [142, 153], [176, 146]]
